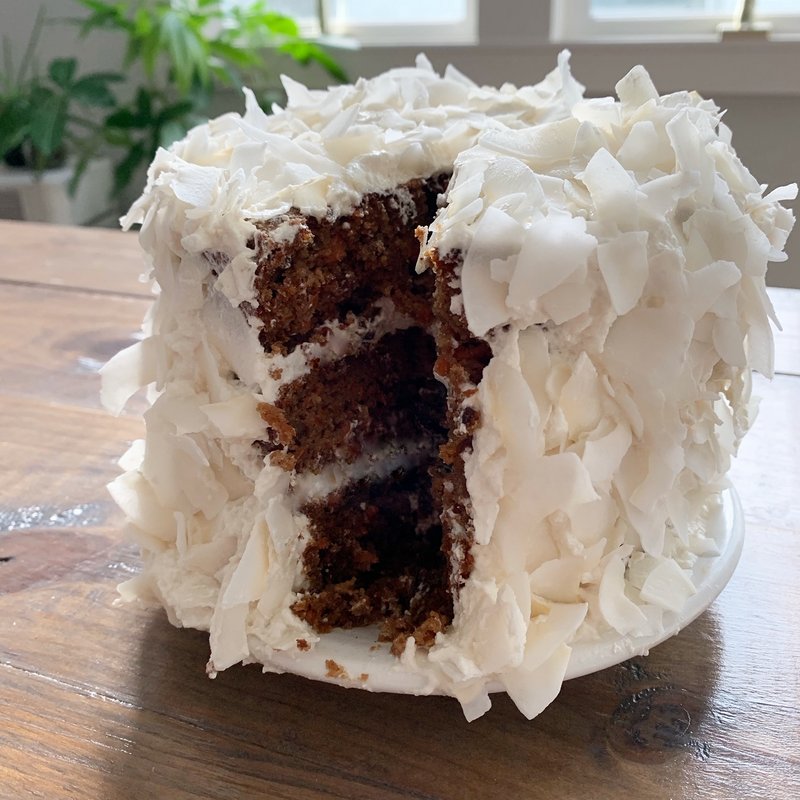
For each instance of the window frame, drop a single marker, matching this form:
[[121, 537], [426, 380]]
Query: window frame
[[572, 21]]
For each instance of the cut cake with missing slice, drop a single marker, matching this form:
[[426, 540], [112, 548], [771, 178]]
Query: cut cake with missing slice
[[462, 363]]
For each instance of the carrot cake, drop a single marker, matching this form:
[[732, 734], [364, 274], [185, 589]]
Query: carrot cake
[[463, 364]]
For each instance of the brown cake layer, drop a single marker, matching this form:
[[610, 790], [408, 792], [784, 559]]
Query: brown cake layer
[[384, 393], [334, 267], [374, 557], [461, 359]]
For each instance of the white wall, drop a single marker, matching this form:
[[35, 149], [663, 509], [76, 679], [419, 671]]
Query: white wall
[[759, 86], [98, 52]]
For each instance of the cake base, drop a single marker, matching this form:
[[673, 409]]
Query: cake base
[[351, 658]]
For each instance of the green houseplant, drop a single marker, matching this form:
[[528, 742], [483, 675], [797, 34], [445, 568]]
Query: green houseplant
[[44, 117], [185, 51], [50, 130], [176, 55]]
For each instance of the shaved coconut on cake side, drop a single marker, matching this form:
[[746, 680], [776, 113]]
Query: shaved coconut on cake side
[[616, 360]]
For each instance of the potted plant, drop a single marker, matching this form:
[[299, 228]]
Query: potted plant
[[187, 50], [49, 135]]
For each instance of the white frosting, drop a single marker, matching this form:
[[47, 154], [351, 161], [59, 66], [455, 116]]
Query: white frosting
[[614, 258], [615, 262]]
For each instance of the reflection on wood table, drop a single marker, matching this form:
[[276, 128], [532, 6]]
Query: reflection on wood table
[[112, 702]]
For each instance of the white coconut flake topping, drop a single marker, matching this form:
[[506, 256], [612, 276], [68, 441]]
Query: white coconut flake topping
[[613, 256]]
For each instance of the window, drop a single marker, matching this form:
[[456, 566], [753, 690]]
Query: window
[[386, 21], [575, 20], [406, 22]]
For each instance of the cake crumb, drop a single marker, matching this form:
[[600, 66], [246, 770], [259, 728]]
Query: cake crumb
[[303, 645], [335, 670], [276, 421], [286, 461]]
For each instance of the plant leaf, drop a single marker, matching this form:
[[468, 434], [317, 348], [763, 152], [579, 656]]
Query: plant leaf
[[279, 24], [305, 52], [298, 50], [144, 105], [77, 173], [123, 118], [117, 137], [150, 48], [48, 122], [123, 172], [92, 90], [326, 60], [143, 23], [187, 53], [233, 54], [62, 70], [14, 125], [107, 16]]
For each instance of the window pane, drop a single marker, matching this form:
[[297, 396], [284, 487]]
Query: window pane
[[670, 8], [766, 7], [661, 8], [296, 9], [391, 12]]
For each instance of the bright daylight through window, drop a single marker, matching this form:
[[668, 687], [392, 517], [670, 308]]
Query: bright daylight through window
[[597, 19], [382, 22]]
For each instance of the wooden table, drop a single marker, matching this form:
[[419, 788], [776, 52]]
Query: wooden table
[[100, 701]]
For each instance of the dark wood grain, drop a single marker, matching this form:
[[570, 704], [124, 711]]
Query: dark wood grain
[[102, 701]]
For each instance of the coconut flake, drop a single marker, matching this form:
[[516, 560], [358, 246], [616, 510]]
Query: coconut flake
[[133, 493], [497, 236], [619, 611], [228, 636], [667, 586], [559, 579], [644, 148], [707, 284], [580, 398], [548, 484], [248, 581], [602, 456], [547, 632], [623, 263], [553, 249], [635, 89], [237, 417], [729, 342], [125, 373], [474, 700], [533, 690], [612, 189]]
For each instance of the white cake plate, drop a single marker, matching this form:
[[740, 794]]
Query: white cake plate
[[354, 658]]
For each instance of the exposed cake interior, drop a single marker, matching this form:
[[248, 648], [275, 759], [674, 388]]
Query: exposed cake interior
[[361, 433]]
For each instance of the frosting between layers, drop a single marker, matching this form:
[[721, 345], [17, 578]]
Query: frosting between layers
[[614, 254]]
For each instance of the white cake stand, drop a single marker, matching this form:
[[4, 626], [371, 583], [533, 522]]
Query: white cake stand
[[354, 658]]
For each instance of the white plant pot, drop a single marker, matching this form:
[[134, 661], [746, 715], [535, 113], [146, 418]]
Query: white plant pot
[[46, 198]]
